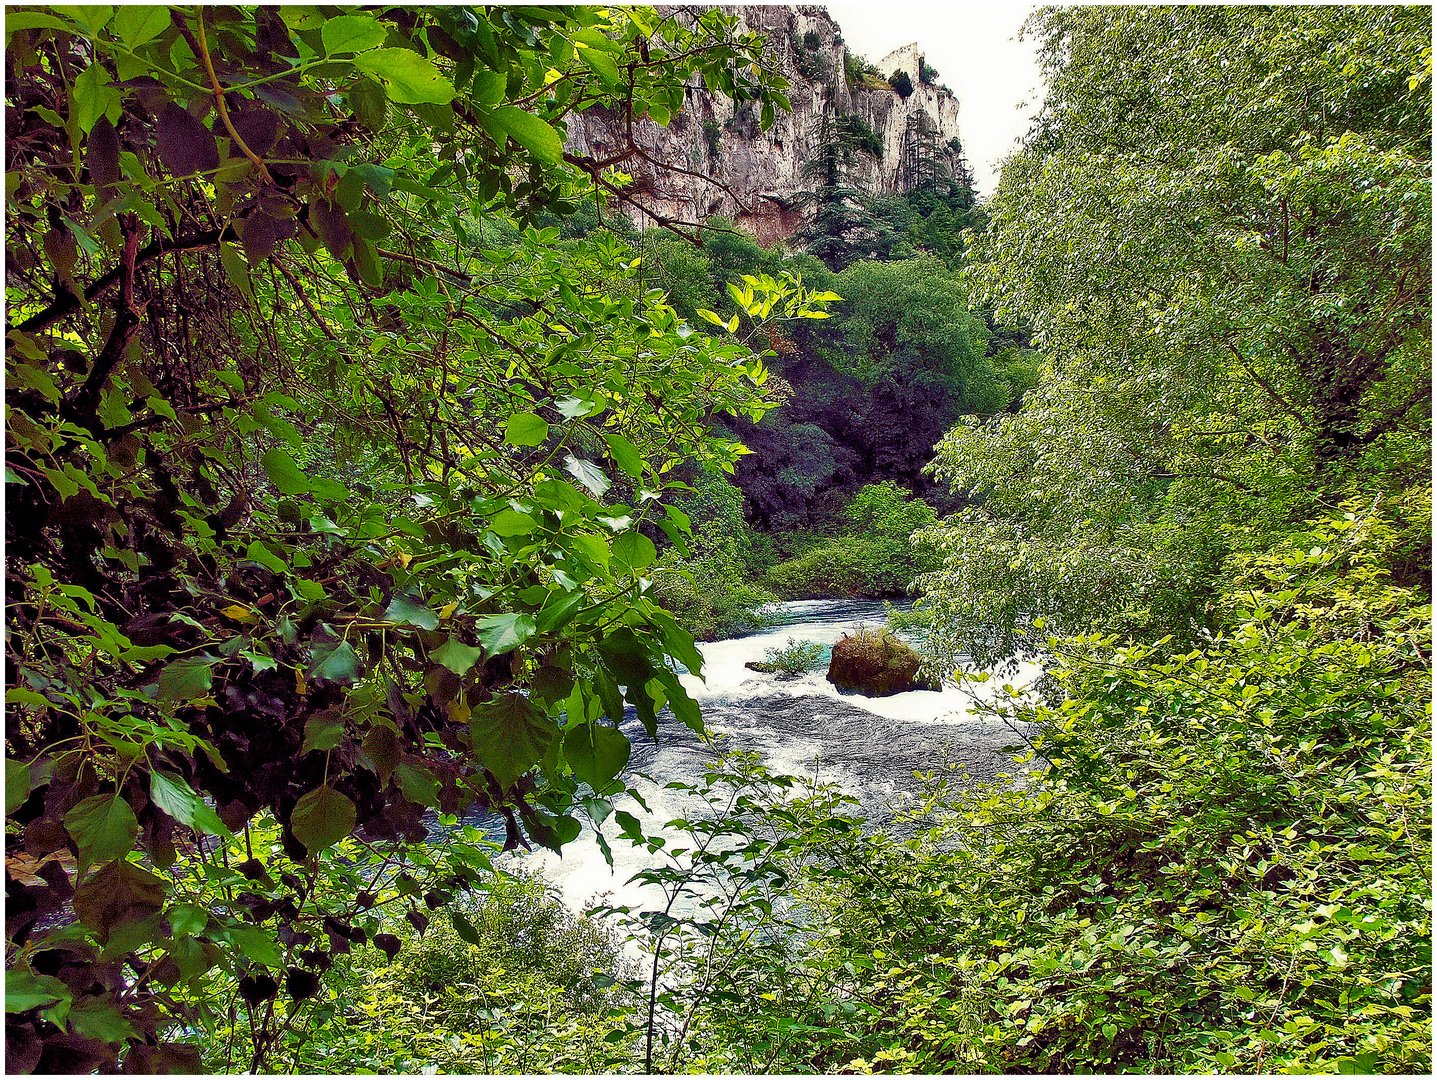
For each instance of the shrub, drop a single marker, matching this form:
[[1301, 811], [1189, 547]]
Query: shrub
[[1220, 863], [847, 566], [859, 134], [874, 557], [927, 75], [901, 83], [808, 56], [792, 658], [514, 983], [712, 589], [713, 132]]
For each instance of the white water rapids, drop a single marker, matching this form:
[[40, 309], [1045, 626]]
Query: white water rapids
[[802, 726]]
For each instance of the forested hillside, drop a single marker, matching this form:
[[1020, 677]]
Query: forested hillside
[[371, 476]]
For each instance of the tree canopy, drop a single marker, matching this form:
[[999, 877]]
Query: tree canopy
[[1219, 234], [333, 482]]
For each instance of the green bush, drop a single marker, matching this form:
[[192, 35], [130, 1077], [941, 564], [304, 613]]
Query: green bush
[[873, 558], [847, 566], [713, 589], [514, 983], [901, 82], [1220, 863], [792, 658]]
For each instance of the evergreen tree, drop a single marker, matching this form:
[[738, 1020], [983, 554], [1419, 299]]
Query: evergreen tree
[[841, 227]]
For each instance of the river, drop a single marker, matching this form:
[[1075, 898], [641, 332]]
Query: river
[[804, 725]]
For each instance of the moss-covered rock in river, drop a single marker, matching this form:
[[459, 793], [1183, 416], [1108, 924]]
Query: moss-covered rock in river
[[876, 663]]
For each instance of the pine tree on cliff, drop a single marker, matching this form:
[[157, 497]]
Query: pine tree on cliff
[[840, 226]]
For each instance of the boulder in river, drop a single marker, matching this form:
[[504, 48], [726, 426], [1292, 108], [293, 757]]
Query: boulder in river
[[875, 663]]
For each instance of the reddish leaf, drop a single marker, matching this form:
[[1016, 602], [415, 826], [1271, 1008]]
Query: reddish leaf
[[184, 144]]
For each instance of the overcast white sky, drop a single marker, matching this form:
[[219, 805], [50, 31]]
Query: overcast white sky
[[976, 50]]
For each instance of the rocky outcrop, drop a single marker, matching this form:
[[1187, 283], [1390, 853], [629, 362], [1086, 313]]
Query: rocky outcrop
[[760, 173], [875, 663]]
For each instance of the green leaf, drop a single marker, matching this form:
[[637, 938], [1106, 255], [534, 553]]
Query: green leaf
[[232, 261], [323, 731], [265, 557], [512, 523], [626, 456], [558, 612], [284, 472], [625, 656], [500, 633], [576, 408], [531, 132], [92, 18], [407, 77], [597, 754], [588, 474], [93, 96], [684, 707], [603, 65], [526, 429], [351, 34], [635, 550], [465, 929], [104, 828], [418, 785], [510, 734], [34, 20], [186, 679], [456, 656], [17, 784], [335, 661], [488, 87], [609, 696], [187, 920], [135, 24], [176, 798], [256, 943], [409, 611], [96, 1018], [381, 745], [25, 990], [322, 817]]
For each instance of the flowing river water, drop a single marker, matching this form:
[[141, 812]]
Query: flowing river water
[[802, 726]]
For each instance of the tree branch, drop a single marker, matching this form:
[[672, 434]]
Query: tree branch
[[69, 303]]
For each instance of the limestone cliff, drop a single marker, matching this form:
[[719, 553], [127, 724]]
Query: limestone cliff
[[763, 170]]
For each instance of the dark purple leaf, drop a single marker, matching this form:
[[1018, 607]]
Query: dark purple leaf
[[332, 226], [257, 127], [184, 144], [102, 156]]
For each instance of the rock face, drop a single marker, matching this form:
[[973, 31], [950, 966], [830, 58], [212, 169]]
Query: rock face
[[762, 171], [875, 663]]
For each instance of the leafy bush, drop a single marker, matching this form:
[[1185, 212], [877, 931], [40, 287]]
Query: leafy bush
[[901, 82], [808, 55], [847, 566], [711, 588], [859, 134], [713, 132], [874, 557], [516, 983], [792, 658], [1221, 862], [927, 74]]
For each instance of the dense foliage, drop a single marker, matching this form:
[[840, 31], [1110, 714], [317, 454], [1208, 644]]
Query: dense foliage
[[1220, 238], [362, 482], [1220, 862], [333, 485], [872, 555]]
